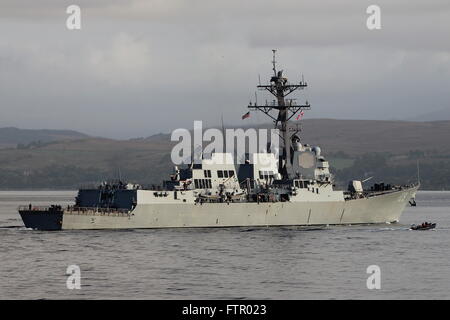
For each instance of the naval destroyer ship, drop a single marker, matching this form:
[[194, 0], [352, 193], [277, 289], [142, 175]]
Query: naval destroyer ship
[[294, 189]]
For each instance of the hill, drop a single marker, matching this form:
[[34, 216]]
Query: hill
[[387, 150], [362, 136], [11, 137]]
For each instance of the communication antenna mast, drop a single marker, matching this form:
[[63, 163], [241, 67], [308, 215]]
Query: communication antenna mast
[[280, 88], [274, 62]]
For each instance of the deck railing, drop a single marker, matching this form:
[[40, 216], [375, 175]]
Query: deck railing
[[97, 211], [38, 208], [79, 210]]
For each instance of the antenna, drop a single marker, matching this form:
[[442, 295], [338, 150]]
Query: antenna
[[280, 88], [274, 62], [223, 127]]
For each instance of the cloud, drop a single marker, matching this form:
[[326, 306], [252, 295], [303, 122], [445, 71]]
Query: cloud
[[140, 67], [125, 61]]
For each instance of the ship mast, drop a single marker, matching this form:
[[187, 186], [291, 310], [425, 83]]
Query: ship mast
[[280, 88]]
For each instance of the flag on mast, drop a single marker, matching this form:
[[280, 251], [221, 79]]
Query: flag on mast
[[245, 116], [300, 115]]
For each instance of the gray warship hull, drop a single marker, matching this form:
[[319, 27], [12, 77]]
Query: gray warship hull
[[382, 208]]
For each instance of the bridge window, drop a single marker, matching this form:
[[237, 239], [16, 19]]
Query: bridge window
[[230, 173], [220, 174], [225, 174], [265, 174], [202, 183]]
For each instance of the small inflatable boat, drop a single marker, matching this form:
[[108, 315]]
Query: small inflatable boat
[[423, 226]]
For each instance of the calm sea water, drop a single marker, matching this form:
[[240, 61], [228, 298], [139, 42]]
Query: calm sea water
[[230, 263]]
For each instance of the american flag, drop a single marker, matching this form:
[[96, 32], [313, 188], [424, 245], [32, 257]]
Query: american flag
[[300, 115], [245, 116]]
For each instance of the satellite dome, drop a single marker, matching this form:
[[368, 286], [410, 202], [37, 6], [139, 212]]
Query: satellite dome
[[317, 151]]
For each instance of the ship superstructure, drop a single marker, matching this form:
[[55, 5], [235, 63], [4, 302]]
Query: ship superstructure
[[294, 188]]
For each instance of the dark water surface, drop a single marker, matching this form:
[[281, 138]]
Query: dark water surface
[[229, 263]]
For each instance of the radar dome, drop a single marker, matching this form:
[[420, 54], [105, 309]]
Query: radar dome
[[317, 151]]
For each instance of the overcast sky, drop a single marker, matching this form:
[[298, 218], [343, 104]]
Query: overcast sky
[[139, 67]]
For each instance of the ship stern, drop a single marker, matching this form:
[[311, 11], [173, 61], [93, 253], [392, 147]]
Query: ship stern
[[42, 218]]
